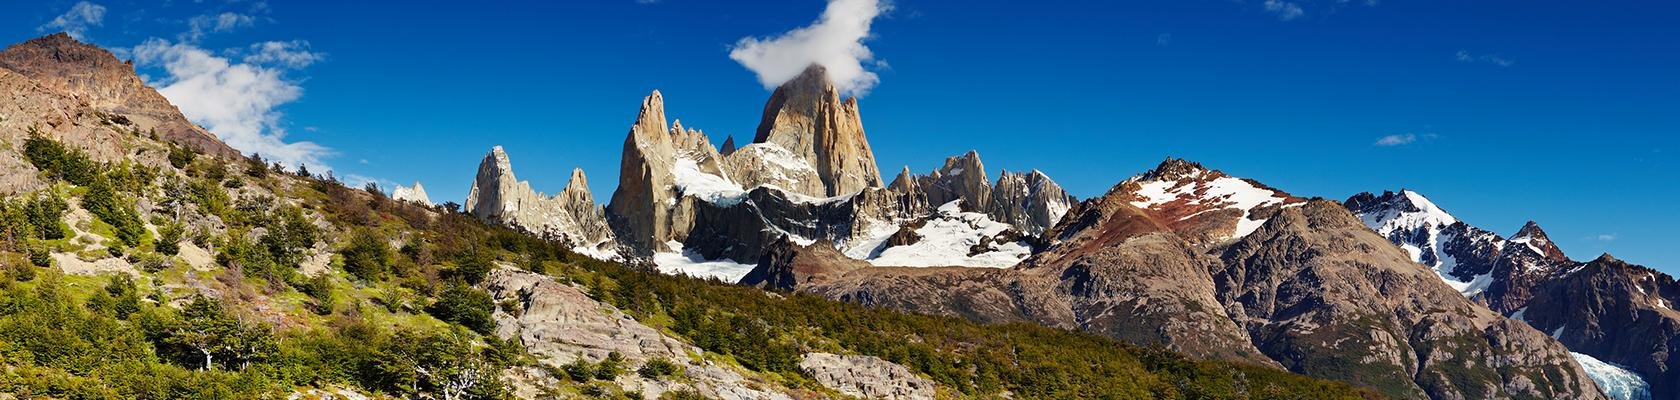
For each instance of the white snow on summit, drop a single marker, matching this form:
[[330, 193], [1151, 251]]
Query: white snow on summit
[[1413, 217], [1220, 193]]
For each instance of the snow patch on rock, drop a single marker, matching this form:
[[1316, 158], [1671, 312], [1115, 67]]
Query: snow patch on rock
[[680, 262], [948, 238]]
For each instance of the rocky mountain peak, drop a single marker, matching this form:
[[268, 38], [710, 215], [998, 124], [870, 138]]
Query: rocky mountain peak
[[571, 216], [1534, 238], [1174, 168], [807, 117], [961, 178], [905, 182], [728, 146], [96, 77], [416, 194]]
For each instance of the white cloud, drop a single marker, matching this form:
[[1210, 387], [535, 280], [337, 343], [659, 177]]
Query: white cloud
[[1163, 39], [1396, 140], [1284, 10], [1495, 59], [237, 101], [201, 25], [1606, 237], [76, 22], [835, 41], [293, 54]]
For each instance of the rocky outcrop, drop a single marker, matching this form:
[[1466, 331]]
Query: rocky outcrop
[[571, 216], [1029, 201], [807, 117], [866, 377], [415, 194], [768, 164], [94, 76], [558, 323]]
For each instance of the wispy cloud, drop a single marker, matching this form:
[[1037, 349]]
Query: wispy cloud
[[1396, 140], [1464, 56], [201, 25], [292, 54], [1283, 9], [238, 101], [77, 20], [835, 41], [1164, 39], [1606, 237]]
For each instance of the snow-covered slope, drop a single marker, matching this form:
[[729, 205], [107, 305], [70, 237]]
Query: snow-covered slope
[[951, 237], [1618, 383], [1460, 254], [1204, 203], [680, 262]]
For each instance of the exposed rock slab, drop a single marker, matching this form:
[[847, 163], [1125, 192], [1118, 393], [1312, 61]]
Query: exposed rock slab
[[866, 377]]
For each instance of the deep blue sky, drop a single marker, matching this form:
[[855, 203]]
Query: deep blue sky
[[1566, 113]]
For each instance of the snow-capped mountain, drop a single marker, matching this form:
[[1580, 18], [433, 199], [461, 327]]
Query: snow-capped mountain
[[1603, 310], [1204, 205], [1463, 255]]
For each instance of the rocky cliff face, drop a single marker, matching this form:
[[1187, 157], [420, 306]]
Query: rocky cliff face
[[498, 196], [93, 76], [1616, 312], [1029, 201], [961, 178], [807, 117]]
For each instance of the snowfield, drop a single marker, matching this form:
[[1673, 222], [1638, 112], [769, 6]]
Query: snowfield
[[679, 262], [946, 240]]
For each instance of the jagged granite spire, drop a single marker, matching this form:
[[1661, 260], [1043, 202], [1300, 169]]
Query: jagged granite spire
[[415, 194], [807, 117], [497, 196]]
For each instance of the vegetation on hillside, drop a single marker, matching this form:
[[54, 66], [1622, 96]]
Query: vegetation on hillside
[[393, 310]]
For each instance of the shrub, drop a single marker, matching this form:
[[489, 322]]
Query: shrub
[[658, 367], [367, 256], [180, 157], [579, 370], [609, 368], [466, 306], [169, 238], [45, 215], [20, 272], [471, 267], [103, 201]]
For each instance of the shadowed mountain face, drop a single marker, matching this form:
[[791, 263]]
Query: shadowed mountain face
[[1610, 310]]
